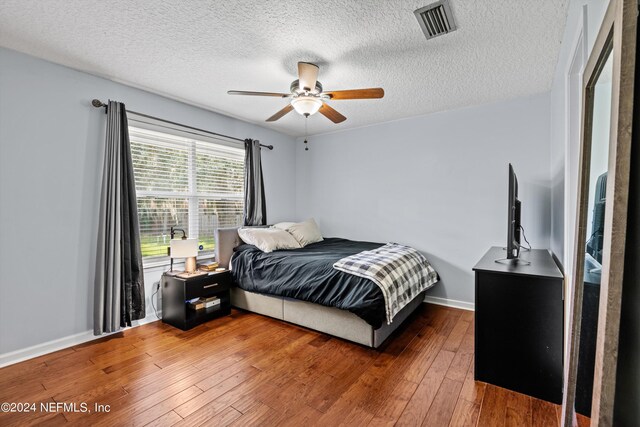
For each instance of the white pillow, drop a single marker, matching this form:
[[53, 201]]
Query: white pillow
[[268, 239], [306, 232], [284, 225]]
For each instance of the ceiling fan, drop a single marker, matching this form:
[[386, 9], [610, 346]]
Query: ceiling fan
[[308, 98]]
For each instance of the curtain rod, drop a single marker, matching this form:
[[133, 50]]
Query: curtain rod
[[99, 104]]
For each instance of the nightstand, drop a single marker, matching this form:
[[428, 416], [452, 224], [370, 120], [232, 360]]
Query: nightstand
[[176, 293]]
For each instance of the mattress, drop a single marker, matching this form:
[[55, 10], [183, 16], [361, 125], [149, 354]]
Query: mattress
[[307, 274]]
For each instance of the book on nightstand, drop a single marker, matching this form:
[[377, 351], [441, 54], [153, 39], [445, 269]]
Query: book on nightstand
[[196, 304], [208, 266], [210, 302], [186, 275], [201, 303]]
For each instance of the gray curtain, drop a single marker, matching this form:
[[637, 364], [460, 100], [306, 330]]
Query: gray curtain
[[119, 284], [255, 207]]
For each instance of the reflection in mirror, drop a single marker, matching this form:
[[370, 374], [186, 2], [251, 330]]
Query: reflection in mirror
[[594, 237]]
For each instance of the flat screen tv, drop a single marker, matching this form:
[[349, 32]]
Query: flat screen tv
[[513, 228]]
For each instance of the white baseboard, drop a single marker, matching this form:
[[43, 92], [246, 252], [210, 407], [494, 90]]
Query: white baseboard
[[450, 303], [21, 355]]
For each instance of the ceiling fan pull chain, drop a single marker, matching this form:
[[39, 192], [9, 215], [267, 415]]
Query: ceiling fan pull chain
[[306, 143]]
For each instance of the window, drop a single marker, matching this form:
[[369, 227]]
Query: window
[[185, 180]]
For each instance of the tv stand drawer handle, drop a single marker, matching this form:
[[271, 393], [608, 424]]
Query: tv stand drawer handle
[[209, 286]]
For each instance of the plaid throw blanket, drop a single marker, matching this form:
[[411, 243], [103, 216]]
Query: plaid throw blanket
[[400, 272]]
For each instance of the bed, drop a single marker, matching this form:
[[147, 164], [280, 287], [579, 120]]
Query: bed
[[301, 287]]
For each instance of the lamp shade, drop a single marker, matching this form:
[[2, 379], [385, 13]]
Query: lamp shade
[[306, 105], [183, 248]]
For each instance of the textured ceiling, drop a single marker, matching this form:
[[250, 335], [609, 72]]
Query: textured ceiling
[[196, 50]]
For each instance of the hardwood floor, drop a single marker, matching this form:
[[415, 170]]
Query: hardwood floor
[[247, 369]]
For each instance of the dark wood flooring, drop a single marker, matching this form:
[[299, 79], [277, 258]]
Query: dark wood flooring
[[247, 369]]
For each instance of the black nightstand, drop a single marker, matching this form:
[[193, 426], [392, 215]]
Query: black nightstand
[[176, 292]]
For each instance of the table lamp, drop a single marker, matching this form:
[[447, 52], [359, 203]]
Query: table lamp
[[185, 248]]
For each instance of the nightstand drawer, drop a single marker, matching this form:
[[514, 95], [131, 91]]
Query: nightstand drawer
[[208, 285]]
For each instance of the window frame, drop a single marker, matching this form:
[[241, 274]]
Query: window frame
[[191, 195]]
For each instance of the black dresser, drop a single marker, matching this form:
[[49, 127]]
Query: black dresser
[[519, 323]]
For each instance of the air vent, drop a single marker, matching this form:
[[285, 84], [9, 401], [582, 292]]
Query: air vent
[[436, 19]]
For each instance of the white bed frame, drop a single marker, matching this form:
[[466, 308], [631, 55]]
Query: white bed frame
[[330, 320]]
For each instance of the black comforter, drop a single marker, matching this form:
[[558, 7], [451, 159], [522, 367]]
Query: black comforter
[[308, 274]]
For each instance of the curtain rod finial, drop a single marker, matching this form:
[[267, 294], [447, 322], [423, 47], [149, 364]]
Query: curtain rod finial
[[97, 103]]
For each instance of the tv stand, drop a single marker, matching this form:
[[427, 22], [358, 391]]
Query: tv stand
[[513, 261], [519, 323], [522, 248]]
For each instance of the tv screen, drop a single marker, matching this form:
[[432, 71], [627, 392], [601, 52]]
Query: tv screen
[[513, 226]]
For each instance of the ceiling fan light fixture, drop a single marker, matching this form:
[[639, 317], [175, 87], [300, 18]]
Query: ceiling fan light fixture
[[306, 105], [308, 97]]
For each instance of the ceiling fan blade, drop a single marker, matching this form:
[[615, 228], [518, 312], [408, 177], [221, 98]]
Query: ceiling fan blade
[[307, 75], [331, 114], [280, 113], [244, 92], [369, 93]]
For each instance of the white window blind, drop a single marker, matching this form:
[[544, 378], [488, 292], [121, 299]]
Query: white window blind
[[189, 183]]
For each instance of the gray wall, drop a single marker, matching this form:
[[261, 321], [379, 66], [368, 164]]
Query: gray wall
[[565, 151], [435, 182], [584, 18], [51, 148]]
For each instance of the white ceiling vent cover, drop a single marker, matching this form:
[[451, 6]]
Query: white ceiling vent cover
[[436, 19]]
